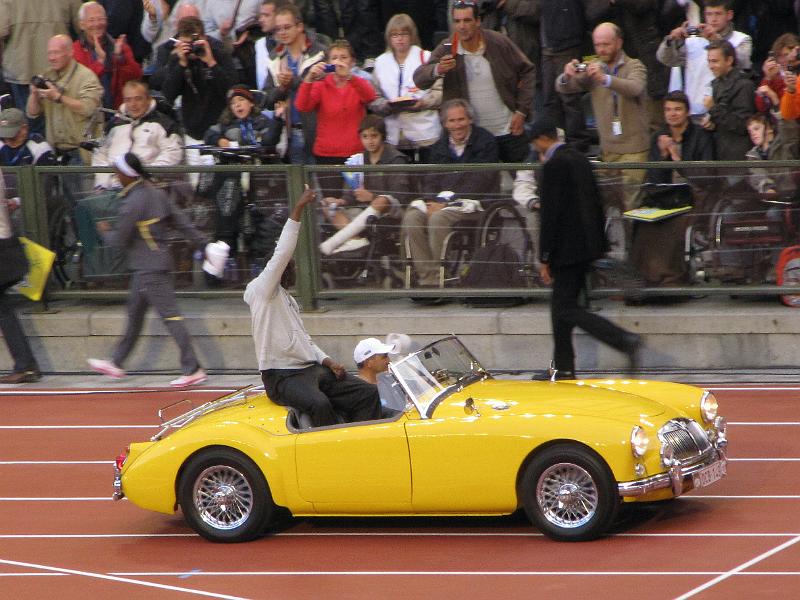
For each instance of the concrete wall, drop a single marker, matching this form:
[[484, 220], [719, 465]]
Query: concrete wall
[[700, 334]]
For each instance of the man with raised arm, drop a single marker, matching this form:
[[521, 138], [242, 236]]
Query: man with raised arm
[[295, 371]]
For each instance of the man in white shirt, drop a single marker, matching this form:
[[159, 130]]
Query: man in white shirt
[[295, 371], [685, 46]]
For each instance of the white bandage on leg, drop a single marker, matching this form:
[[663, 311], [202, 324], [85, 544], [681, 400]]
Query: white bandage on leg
[[351, 230]]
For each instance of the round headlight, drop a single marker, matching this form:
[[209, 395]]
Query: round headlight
[[639, 441], [708, 407]]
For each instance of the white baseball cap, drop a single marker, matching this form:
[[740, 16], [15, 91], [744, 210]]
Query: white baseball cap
[[370, 347]]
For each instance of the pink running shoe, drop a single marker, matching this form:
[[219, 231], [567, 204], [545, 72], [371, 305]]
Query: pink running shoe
[[195, 378], [107, 368]]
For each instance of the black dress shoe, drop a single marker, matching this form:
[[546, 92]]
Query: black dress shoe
[[21, 377]]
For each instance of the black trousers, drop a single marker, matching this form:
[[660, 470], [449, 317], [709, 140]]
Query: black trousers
[[14, 336], [566, 314], [316, 391], [155, 289]]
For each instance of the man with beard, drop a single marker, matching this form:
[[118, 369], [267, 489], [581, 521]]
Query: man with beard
[[295, 371]]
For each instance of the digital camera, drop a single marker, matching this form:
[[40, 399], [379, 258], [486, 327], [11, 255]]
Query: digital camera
[[692, 31], [198, 48], [330, 68], [581, 68], [40, 82]]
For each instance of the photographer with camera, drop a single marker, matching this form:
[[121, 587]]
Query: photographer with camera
[[618, 88], [486, 68], [685, 46], [67, 96], [201, 71]]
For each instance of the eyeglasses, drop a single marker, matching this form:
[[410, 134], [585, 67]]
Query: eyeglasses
[[399, 34], [465, 4]]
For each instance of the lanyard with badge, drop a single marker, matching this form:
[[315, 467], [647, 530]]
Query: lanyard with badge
[[616, 121]]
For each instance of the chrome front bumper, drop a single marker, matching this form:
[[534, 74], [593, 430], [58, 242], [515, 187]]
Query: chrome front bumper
[[678, 478], [118, 493]]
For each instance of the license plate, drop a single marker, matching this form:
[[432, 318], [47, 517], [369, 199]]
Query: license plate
[[709, 474]]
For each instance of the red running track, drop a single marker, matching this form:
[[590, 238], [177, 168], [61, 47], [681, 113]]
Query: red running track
[[62, 537]]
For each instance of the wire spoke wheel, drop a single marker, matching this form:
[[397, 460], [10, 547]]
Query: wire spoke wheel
[[567, 495], [223, 497]]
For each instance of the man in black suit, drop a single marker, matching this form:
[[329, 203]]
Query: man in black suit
[[572, 236]]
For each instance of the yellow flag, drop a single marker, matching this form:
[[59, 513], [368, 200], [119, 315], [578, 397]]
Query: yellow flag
[[40, 261]]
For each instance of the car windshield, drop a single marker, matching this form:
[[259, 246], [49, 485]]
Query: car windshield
[[429, 374]]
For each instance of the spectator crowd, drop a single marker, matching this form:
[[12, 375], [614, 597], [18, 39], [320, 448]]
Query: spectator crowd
[[369, 82]]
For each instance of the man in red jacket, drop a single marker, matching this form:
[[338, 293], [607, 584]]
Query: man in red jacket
[[110, 59]]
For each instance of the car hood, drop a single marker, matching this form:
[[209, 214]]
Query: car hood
[[561, 398]]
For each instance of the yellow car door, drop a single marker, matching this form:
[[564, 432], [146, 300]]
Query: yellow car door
[[463, 463], [355, 468]]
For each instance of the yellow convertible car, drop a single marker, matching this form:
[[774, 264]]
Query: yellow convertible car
[[453, 441]]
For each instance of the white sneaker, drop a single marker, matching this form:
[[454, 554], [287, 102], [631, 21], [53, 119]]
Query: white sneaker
[[198, 376], [106, 367]]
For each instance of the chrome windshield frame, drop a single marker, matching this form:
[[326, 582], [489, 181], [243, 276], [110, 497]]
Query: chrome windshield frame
[[413, 363]]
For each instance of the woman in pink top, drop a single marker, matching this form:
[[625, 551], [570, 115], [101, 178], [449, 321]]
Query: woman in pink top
[[339, 99]]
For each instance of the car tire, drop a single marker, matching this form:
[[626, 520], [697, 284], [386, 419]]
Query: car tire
[[224, 496], [569, 493]]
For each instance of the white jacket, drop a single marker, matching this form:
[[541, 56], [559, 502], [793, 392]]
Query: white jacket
[[154, 138], [417, 126]]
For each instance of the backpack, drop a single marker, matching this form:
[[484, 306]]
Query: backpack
[[788, 273], [493, 266]]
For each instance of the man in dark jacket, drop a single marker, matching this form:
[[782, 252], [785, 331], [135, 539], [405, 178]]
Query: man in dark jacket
[[199, 70], [732, 101], [486, 68], [572, 236], [426, 225]]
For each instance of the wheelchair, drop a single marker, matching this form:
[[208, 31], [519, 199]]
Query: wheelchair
[[500, 222], [740, 240], [376, 264]]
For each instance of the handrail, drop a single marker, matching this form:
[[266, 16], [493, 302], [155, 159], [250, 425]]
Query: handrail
[[35, 216]]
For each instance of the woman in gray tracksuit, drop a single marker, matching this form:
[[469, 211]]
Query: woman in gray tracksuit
[[145, 219]]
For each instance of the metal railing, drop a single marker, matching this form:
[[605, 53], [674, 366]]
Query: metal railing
[[32, 187]]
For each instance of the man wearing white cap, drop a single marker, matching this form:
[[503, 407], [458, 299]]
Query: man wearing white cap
[[372, 358]]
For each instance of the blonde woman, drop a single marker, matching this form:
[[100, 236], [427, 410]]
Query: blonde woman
[[412, 121]]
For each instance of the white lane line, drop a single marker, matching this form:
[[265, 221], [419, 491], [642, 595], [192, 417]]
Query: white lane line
[[58, 462], [764, 460], [109, 499], [738, 569], [32, 574], [113, 391], [422, 534], [118, 579], [111, 462], [82, 499], [765, 497], [155, 426], [765, 423], [78, 426], [752, 389], [434, 573]]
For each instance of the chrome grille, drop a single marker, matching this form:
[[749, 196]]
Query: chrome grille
[[686, 438]]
